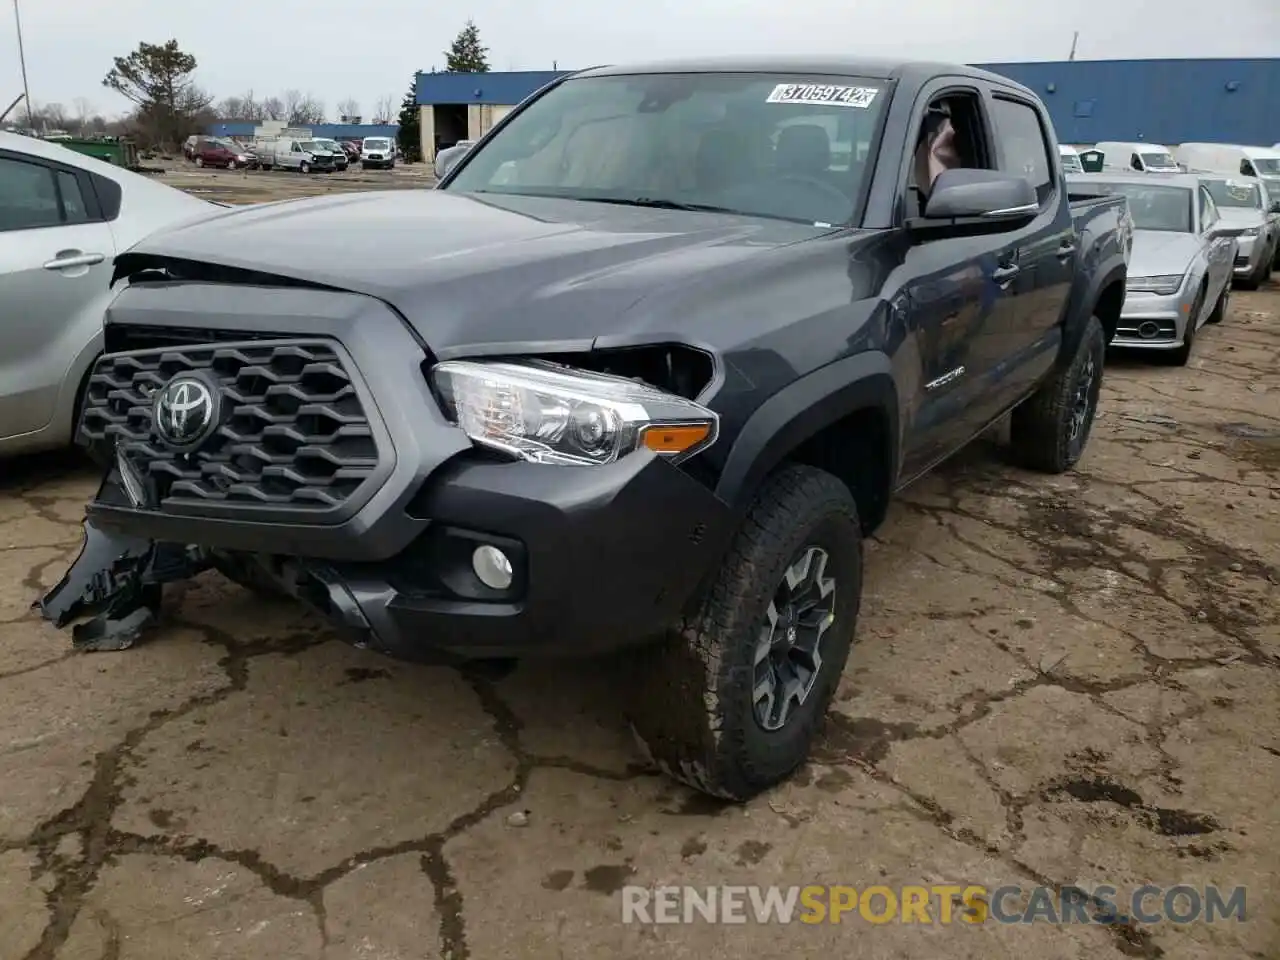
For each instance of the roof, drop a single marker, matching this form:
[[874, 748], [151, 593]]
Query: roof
[[1188, 180], [876, 68]]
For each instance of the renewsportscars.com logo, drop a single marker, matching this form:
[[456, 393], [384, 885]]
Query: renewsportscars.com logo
[[934, 904]]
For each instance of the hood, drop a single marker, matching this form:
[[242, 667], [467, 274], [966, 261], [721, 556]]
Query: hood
[[1242, 216], [1158, 253], [468, 268]]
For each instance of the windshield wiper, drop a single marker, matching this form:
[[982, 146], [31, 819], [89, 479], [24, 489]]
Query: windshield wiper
[[659, 203], [663, 204]]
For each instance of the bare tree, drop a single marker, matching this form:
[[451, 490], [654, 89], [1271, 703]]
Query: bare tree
[[348, 110], [385, 109], [83, 110], [244, 107], [291, 103], [54, 116], [273, 109]]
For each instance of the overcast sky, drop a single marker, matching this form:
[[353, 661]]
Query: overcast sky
[[366, 49]]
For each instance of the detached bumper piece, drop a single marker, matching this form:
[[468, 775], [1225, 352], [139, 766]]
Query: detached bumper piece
[[116, 580]]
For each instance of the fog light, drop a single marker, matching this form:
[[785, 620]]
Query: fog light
[[492, 567]]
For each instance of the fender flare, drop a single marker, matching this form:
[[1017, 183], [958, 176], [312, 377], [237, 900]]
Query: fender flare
[[802, 409], [1116, 271]]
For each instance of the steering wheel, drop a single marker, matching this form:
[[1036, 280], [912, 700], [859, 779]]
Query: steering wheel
[[834, 193]]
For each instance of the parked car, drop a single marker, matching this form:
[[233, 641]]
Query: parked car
[[1234, 160], [1070, 158], [304, 156], [447, 157], [623, 411], [1136, 155], [340, 161], [377, 152], [216, 152], [63, 218], [352, 149], [1246, 203], [1183, 256]]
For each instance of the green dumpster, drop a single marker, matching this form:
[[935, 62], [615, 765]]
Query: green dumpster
[[121, 152]]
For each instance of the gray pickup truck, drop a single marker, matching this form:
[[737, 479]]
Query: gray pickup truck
[[642, 372]]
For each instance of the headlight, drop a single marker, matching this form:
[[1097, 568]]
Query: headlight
[[1163, 285], [547, 413]]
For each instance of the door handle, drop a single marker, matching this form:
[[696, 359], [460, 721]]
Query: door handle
[[1003, 275], [77, 260], [1066, 250]]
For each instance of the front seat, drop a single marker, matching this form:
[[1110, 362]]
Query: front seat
[[803, 150]]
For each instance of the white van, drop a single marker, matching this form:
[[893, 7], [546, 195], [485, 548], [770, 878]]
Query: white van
[[1234, 160], [1136, 155], [1070, 158]]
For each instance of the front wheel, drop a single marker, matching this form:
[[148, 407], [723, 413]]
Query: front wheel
[[730, 703], [304, 167], [231, 164], [1050, 428], [199, 161]]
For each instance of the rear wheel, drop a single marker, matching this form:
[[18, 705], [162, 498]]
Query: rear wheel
[[730, 704], [1049, 430]]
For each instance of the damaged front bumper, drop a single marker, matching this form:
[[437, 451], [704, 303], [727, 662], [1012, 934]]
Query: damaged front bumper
[[116, 581], [600, 559]]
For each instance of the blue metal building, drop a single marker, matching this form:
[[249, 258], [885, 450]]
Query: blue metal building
[[1161, 101], [328, 131]]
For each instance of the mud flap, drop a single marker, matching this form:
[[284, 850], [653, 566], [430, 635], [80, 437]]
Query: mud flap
[[117, 581]]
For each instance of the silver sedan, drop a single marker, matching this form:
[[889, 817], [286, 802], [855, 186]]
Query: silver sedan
[[1246, 203], [63, 219], [1183, 255]]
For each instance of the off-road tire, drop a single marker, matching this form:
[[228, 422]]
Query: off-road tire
[[1040, 427], [1220, 308], [692, 693]]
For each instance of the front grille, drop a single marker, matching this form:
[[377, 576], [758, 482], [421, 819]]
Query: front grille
[[1242, 261], [294, 433]]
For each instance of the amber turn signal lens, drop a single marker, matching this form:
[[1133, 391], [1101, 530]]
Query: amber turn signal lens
[[675, 439]]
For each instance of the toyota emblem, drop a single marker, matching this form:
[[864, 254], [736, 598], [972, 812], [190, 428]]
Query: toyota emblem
[[186, 411]]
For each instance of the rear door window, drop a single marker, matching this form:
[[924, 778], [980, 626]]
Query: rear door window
[[1023, 144]]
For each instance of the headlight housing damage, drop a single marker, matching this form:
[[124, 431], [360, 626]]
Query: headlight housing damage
[[548, 413]]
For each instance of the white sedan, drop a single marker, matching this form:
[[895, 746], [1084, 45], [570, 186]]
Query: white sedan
[[63, 219]]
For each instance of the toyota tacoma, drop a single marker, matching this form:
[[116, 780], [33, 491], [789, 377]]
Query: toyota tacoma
[[638, 376]]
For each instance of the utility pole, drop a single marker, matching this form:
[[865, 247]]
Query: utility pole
[[1075, 38], [22, 60]]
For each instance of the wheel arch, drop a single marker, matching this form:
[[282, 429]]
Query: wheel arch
[[842, 418]]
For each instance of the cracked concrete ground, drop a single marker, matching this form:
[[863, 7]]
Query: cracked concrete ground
[[1058, 680]]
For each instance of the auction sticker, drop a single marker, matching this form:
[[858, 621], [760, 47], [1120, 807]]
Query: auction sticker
[[821, 94]]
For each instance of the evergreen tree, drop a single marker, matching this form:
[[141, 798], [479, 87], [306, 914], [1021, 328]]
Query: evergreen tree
[[409, 136], [467, 55]]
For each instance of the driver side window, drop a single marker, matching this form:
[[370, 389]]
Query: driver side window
[[1246, 168], [952, 135]]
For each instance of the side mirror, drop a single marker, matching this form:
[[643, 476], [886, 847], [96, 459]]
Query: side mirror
[[1225, 231], [967, 201], [451, 162]]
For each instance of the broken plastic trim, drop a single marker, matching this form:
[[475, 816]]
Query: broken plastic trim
[[117, 581]]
